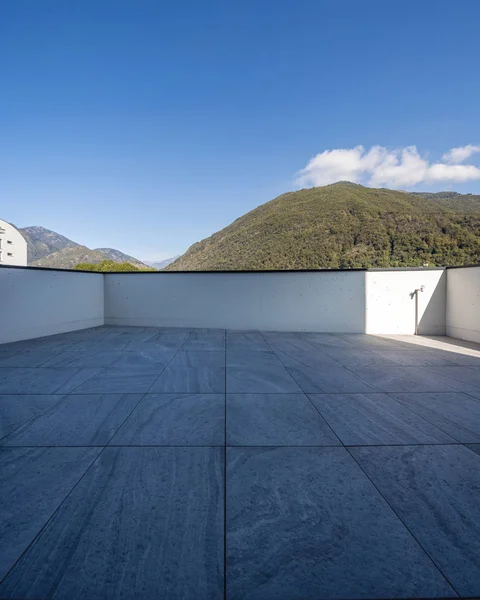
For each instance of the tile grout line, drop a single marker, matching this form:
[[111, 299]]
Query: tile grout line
[[306, 395], [29, 419], [390, 395], [281, 362], [225, 475], [247, 393], [165, 367], [398, 445], [124, 421], [77, 386], [403, 523], [333, 359], [54, 513]]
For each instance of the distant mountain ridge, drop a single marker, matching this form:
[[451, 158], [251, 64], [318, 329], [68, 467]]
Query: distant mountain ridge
[[162, 263], [47, 248], [121, 257], [41, 242], [345, 225]]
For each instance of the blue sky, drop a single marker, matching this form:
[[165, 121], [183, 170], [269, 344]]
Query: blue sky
[[147, 125]]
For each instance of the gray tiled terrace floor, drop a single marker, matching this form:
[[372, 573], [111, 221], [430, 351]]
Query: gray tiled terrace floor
[[155, 463]]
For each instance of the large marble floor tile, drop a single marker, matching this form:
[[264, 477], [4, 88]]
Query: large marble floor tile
[[169, 337], [249, 340], [16, 410], [303, 358], [175, 420], [212, 340], [204, 345], [33, 483], [404, 379], [474, 394], [119, 381], [108, 344], [198, 358], [76, 420], [264, 379], [15, 348], [371, 341], [159, 345], [329, 379], [150, 352], [357, 357], [456, 413], [474, 447], [435, 490], [246, 358], [138, 362], [33, 358], [49, 344], [464, 360], [143, 523], [463, 379], [324, 340], [275, 420], [83, 359], [290, 344], [305, 524], [142, 336], [371, 419], [196, 380], [43, 381], [413, 358]]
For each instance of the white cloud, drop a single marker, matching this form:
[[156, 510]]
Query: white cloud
[[378, 166], [458, 155]]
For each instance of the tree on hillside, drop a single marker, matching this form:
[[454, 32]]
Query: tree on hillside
[[108, 265]]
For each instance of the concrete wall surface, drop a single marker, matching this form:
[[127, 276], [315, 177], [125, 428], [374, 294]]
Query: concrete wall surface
[[35, 303], [463, 303], [287, 301], [391, 308]]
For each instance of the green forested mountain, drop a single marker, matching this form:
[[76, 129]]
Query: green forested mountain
[[345, 225], [110, 266]]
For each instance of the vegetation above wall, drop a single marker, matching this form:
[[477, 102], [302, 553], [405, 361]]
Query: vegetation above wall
[[109, 265], [345, 225]]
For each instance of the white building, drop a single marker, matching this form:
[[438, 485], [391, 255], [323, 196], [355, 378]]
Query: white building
[[13, 246]]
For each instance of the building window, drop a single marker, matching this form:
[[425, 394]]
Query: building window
[[9, 254], [9, 242]]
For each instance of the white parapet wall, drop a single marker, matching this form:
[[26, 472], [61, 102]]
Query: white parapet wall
[[41, 302], [390, 301], [329, 301], [35, 303], [463, 303]]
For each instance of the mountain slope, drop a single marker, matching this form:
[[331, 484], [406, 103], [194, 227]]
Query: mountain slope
[[162, 263], [120, 257], [453, 200], [68, 258], [41, 242], [47, 248], [343, 225]]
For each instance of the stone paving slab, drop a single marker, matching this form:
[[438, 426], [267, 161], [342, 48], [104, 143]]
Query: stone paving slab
[[351, 470]]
